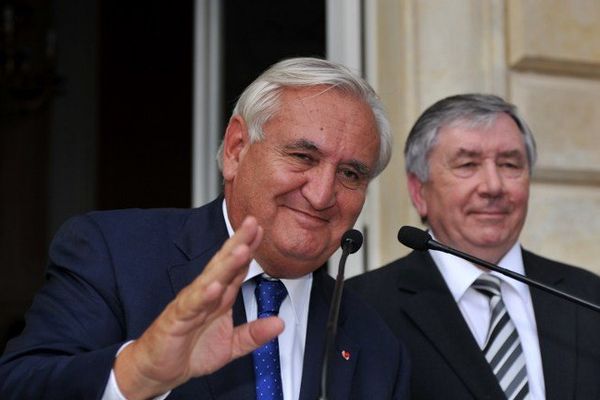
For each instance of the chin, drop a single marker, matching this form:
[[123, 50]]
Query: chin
[[300, 249], [300, 270], [307, 242], [308, 255], [299, 265], [492, 241]]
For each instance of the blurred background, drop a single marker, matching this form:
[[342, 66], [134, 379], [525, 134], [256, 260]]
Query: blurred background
[[96, 104], [111, 104]]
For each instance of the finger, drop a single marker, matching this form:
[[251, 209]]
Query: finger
[[232, 259], [257, 239], [198, 304], [224, 274], [245, 234], [250, 336]]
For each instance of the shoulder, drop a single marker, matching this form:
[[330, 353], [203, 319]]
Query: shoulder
[[567, 275], [136, 234], [128, 219], [533, 261], [383, 355], [120, 226], [136, 218], [360, 311], [128, 224], [362, 322], [359, 318], [387, 275]]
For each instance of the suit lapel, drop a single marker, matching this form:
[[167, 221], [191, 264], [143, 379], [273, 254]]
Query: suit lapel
[[433, 310], [556, 322], [342, 370], [314, 348], [201, 236], [342, 365]]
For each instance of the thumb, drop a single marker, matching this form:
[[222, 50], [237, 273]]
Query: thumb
[[250, 336]]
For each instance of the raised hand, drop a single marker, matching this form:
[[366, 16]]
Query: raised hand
[[194, 335]]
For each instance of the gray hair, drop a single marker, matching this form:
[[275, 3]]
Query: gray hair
[[472, 109], [260, 101]]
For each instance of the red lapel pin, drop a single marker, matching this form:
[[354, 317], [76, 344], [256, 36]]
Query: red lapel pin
[[346, 355]]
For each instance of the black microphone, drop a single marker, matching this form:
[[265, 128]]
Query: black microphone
[[420, 240], [351, 242]]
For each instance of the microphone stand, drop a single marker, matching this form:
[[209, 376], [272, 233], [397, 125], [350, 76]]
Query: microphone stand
[[332, 320], [434, 245], [351, 242]]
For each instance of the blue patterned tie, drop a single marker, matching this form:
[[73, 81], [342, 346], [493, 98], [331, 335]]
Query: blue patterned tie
[[269, 295]]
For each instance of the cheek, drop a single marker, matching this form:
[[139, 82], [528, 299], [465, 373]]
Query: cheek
[[520, 194], [276, 186], [263, 174], [461, 193], [350, 205], [445, 196]]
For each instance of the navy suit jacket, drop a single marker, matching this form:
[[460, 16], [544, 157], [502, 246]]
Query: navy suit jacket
[[112, 273], [446, 361]]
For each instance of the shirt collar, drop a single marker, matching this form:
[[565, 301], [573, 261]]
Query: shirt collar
[[460, 274], [296, 288]]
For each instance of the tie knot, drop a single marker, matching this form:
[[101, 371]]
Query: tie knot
[[487, 284], [269, 296]]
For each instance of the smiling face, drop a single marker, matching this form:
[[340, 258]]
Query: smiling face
[[306, 181], [476, 196]]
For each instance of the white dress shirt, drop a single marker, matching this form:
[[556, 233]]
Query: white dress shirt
[[460, 274], [293, 312]]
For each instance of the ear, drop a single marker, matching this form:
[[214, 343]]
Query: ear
[[235, 143], [416, 189]]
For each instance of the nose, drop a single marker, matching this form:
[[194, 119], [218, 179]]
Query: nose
[[492, 183], [319, 188]]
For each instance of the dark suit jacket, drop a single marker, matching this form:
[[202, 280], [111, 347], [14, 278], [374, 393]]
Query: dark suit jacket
[[446, 362], [111, 274]]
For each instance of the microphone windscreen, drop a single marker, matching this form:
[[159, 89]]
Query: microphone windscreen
[[352, 239], [414, 238]]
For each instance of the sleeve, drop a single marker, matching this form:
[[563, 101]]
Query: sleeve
[[112, 391], [75, 325]]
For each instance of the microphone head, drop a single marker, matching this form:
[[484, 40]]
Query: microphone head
[[352, 240], [414, 238]]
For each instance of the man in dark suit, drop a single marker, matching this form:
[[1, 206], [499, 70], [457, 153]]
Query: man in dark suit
[[155, 303], [471, 334]]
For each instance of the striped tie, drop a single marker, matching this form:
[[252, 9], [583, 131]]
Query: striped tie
[[502, 348]]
